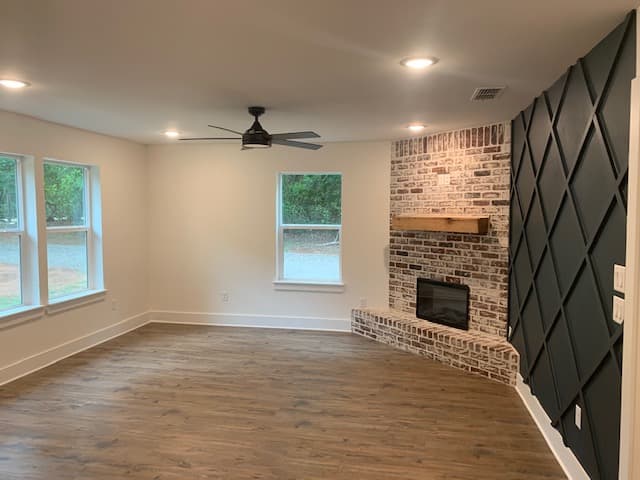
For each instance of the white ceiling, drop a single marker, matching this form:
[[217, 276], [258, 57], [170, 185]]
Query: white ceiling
[[133, 68]]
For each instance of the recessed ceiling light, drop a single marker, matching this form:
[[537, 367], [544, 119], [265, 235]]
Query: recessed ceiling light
[[418, 63], [13, 84], [416, 127], [172, 134]]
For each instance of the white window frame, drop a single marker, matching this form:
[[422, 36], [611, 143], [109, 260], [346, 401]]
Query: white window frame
[[281, 283], [93, 230], [27, 230], [18, 230], [33, 252], [630, 409]]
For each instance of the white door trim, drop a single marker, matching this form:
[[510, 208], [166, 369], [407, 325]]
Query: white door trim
[[630, 414]]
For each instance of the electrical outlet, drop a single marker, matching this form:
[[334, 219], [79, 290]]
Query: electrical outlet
[[363, 302], [618, 309], [224, 296], [114, 305], [578, 418], [619, 273]]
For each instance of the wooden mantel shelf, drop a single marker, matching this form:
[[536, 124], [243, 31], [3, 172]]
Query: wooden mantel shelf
[[441, 223]]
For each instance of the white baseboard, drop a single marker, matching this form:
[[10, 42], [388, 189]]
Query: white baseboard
[[563, 454], [48, 357], [253, 320]]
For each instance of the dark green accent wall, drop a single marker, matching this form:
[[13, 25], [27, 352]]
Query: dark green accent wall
[[568, 227]]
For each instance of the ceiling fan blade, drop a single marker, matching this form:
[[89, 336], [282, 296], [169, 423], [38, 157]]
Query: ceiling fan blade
[[226, 129], [209, 138], [292, 135], [289, 143]]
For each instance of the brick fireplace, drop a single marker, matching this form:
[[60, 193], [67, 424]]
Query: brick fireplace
[[463, 172]]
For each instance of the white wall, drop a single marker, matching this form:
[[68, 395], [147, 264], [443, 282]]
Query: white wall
[[123, 176], [212, 228], [182, 223]]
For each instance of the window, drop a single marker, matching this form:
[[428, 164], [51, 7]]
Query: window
[[309, 228], [11, 233], [70, 236], [73, 220]]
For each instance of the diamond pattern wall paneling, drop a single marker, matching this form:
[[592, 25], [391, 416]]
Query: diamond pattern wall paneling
[[568, 227]]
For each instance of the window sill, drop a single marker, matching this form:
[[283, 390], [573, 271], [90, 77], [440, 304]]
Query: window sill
[[20, 315], [298, 286], [81, 299]]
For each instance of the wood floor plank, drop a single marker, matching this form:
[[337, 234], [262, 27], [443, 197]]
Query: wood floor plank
[[183, 402]]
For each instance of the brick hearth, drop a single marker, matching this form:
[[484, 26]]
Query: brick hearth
[[490, 356]]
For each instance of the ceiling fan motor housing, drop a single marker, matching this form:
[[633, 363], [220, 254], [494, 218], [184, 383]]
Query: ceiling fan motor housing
[[256, 136]]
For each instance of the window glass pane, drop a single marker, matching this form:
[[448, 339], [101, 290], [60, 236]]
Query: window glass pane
[[311, 255], [67, 262], [8, 193], [64, 194], [311, 199], [10, 288]]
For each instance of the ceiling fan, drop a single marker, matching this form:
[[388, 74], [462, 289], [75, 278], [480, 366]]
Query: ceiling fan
[[258, 137]]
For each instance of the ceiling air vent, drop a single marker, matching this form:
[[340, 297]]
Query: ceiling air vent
[[486, 93]]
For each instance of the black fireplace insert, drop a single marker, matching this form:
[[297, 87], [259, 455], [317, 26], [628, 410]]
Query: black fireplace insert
[[444, 303]]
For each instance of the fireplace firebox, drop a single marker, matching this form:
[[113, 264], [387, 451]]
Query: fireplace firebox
[[444, 303]]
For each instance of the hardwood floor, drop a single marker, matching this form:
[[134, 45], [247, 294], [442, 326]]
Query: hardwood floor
[[191, 402]]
